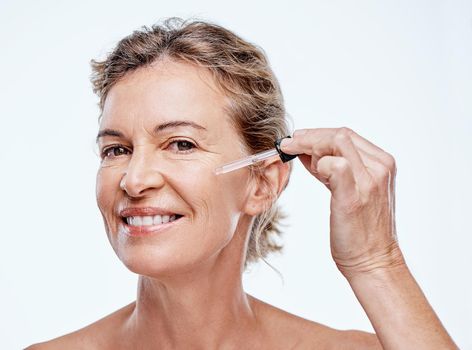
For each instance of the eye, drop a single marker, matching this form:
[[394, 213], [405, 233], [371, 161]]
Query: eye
[[182, 146], [114, 151]]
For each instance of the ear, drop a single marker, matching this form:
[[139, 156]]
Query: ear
[[268, 184]]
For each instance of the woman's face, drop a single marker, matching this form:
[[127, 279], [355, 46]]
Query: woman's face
[[162, 134]]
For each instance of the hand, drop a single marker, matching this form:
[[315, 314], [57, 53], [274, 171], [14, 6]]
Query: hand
[[361, 178]]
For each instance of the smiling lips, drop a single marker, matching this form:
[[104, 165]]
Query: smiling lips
[[149, 220], [144, 219]]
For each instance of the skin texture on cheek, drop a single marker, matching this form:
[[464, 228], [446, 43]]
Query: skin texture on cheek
[[215, 201], [106, 198], [211, 203]]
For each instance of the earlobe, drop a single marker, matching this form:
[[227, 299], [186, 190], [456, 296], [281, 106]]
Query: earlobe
[[269, 182]]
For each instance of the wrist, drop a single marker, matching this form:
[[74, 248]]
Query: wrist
[[386, 261]]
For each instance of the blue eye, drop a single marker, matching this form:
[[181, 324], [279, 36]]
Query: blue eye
[[183, 146], [114, 151]]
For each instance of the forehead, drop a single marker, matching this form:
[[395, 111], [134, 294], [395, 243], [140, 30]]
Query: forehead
[[166, 91]]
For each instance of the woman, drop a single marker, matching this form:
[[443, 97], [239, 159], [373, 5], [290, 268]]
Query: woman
[[179, 100]]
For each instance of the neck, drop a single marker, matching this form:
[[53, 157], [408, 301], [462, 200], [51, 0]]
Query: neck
[[202, 309]]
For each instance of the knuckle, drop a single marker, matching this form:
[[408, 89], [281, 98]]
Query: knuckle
[[343, 134], [346, 131], [316, 152], [390, 162]]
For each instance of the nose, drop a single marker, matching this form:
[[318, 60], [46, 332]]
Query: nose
[[141, 176]]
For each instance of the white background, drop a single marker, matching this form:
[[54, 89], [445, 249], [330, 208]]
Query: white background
[[397, 72]]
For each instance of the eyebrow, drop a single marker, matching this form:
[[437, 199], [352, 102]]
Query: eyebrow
[[157, 129]]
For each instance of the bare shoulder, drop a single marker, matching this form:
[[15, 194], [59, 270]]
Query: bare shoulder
[[300, 333], [97, 335]]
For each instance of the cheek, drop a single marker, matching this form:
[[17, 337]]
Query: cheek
[[216, 199], [106, 187]]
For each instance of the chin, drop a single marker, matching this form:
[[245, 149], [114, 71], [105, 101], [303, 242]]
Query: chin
[[148, 261], [169, 253]]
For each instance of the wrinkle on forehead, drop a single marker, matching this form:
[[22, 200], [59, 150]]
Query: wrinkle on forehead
[[186, 90]]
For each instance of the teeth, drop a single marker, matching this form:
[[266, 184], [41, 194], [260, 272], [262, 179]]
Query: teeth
[[157, 220], [149, 220]]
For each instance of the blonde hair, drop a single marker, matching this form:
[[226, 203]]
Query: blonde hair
[[239, 68]]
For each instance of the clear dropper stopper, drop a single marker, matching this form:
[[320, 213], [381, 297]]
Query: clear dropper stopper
[[241, 163]]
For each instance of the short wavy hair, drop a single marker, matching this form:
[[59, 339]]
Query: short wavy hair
[[239, 68]]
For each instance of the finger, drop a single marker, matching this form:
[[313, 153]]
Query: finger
[[368, 147], [299, 144], [290, 147], [383, 177], [322, 142], [368, 150], [379, 169], [339, 178]]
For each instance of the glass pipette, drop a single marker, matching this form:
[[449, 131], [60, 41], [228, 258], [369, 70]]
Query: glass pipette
[[255, 158], [241, 163]]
